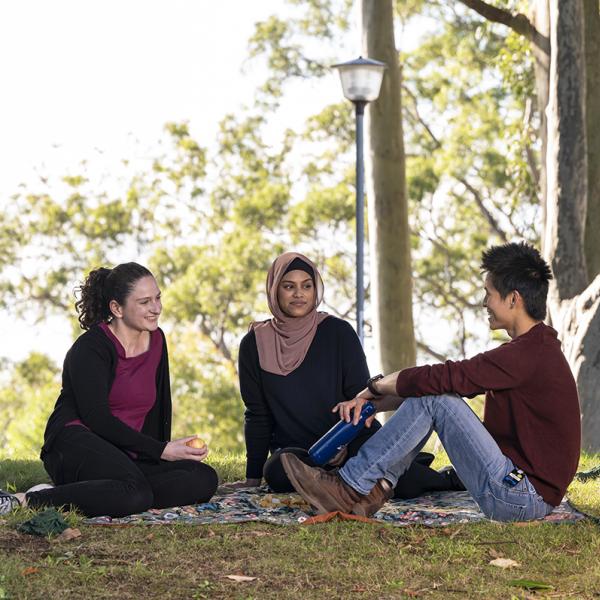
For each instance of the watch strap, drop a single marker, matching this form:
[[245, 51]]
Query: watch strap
[[371, 387]]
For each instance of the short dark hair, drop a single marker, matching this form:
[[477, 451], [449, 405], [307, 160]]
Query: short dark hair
[[520, 267], [103, 285]]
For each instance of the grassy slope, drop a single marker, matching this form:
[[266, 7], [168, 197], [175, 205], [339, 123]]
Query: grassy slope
[[334, 560]]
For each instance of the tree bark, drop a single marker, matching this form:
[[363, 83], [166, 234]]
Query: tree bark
[[592, 116], [389, 235], [579, 330], [566, 158], [568, 88], [574, 306]]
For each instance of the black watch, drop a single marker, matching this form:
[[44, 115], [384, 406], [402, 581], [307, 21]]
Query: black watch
[[371, 387]]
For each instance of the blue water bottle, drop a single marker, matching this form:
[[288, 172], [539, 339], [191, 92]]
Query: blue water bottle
[[340, 435]]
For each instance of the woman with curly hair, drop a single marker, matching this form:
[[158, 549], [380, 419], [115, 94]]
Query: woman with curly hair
[[107, 444]]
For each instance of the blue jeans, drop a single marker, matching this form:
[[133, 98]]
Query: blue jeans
[[475, 455]]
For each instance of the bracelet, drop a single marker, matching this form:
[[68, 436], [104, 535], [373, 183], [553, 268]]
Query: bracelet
[[371, 387]]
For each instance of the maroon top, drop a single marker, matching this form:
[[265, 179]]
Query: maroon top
[[531, 403], [133, 392]]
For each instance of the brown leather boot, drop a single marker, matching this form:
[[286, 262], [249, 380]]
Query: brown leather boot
[[324, 490], [368, 505]]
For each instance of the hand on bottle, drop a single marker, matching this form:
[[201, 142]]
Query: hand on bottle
[[177, 450], [345, 408]]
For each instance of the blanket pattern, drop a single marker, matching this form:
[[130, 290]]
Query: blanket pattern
[[258, 504]]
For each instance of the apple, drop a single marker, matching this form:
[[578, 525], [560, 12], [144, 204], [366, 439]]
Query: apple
[[196, 443]]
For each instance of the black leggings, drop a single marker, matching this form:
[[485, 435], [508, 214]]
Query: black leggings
[[97, 478], [417, 480]]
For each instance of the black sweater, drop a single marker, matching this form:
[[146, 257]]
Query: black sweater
[[295, 410], [88, 373]]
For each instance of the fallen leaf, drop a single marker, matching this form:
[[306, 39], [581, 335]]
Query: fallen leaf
[[411, 593], [29, 571], [240, 578], [528, 584], [494, 553], [70, 533], [504, 563]]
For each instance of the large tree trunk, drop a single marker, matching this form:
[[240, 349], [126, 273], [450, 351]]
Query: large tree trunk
[[572, 189], [566, 158], [591, 18], [389, 236], [579, 331], [574, 306]]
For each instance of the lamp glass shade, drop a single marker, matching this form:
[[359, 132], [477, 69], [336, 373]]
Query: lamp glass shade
[[361, 79]]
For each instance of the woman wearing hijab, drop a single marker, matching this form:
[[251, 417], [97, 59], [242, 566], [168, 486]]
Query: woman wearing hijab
[[294, 368]]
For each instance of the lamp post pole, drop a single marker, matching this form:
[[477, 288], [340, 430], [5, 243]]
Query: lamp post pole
[[361, 82], [360, 221]]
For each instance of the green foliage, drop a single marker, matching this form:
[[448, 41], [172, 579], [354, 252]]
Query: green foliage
[[27, 399], [210, 221], [293, 47], [207, 396], [471, 164]]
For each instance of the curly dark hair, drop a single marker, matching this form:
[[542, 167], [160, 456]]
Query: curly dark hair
[[519, 266], [103, 285]]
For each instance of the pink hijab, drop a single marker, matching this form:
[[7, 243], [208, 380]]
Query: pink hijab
[[283, 341]]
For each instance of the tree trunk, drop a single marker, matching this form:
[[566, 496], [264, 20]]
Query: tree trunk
[[389, 235], [572, 191], [591, 11], [574, 306], [580, 333], [566, 156]]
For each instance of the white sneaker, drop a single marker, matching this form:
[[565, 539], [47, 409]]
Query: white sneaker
[[8, 502], [39, 487]]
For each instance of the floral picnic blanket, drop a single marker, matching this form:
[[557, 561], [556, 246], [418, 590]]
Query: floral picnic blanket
[[258, 504]]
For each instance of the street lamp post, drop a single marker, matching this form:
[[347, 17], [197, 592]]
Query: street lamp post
[[361, 82]]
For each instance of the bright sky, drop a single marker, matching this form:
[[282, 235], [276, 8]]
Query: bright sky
[[98, 79], [86, 78]]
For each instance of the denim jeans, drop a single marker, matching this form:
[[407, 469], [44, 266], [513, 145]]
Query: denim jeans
[[475, 455]]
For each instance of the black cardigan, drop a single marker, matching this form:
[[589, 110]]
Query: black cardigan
[[88, 373], [295, 410]]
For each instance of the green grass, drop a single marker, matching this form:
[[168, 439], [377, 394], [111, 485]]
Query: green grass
[[334, 560]]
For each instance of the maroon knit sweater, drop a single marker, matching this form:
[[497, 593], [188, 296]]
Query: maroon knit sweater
[[531, 403]]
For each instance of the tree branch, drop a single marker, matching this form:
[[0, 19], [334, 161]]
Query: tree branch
[[418, 118], [425, 348], [517, 22], [485, 212]]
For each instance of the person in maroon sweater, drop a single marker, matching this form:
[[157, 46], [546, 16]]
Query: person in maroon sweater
[[518, 463]]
